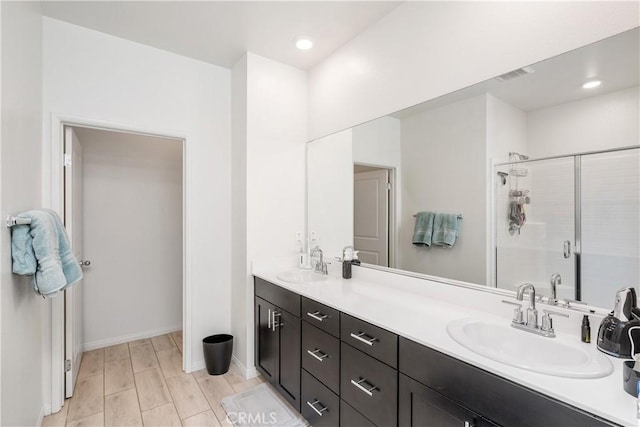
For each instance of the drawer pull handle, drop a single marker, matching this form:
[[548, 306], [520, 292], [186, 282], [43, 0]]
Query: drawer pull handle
[[367, 388], [313, 404], [364, 338], [317, 315], [269, 319], [318, 354]]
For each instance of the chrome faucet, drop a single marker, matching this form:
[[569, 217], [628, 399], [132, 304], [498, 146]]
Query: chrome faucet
[[532, 313], [556, 280], [321, 266], [531, 322]]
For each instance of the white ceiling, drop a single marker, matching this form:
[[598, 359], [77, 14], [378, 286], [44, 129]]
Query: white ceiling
[[558, 80], [219, 32]]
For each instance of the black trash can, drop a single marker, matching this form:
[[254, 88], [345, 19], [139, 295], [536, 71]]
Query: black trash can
[[217, 353]]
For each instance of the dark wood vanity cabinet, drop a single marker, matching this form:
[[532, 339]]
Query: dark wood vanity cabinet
[[420, 406], [338, 370], [277, 339], [460, 390]]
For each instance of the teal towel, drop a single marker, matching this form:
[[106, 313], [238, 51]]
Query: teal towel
[[423, 229], [445, 229], [42, 249]]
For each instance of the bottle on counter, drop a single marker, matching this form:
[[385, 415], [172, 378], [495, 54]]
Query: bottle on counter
[[586, 329]]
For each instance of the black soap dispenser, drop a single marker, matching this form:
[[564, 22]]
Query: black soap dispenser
[[347, 257]]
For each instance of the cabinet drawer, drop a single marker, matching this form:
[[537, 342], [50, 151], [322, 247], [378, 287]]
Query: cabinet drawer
[[320, 406], [276, 295], [349, 417], [322, 316], [499, 400], [369, 385], [321, 356], [375, 341]]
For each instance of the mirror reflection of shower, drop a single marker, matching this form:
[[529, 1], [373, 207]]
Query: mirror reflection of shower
[[575, 216]]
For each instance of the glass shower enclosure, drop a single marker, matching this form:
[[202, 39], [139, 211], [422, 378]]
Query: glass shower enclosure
[[576, 216]]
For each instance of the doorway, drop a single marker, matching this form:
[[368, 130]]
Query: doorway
[[124, 211], [372, 199]]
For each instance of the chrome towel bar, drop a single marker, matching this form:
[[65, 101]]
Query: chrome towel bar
[[14, 220]]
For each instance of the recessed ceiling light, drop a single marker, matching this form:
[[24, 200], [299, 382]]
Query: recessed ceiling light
[[304, 43], [591, 84]]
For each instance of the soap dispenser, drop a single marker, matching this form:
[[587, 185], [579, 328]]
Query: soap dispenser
[[347, 259]]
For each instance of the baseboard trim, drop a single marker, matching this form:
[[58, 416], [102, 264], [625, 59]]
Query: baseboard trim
[[94, 345], [43, 411], [197, 365], [246, 373]]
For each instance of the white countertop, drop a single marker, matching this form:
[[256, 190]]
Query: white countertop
[[421, 311]]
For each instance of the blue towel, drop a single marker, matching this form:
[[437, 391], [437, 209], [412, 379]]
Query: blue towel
[[445, 229], [42, 249], [424, 229]]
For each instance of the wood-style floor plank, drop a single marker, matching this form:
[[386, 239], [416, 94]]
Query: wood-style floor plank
[[204, 419], [162, 342], [116, 352], [95, 420], [88, 398], [92, 363], [170, 362], [187, 396], [122, 409], [143, 357], [152, 389], [118, 376], [162, 416]]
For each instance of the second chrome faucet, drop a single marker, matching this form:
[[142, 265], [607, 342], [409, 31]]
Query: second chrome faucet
[[530, 324]]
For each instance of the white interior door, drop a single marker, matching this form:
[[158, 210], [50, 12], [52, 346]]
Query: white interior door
[[371, 216], [73, 224]]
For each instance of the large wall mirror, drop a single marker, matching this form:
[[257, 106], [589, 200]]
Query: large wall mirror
[[527, 177]]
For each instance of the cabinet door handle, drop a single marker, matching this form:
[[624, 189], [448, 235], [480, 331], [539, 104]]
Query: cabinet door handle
[[366, 388], [313, 404], [469, 424], [317, 315], [318, 354], [362, 337], [269, 320]]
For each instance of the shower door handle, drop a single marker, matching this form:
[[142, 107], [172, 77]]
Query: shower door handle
[[567, 249]]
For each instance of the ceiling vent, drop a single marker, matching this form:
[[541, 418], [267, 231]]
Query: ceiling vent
[[515, 74]]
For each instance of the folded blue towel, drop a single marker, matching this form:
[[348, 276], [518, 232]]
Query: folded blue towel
[[42, 249], [445, 229], [423, 230]]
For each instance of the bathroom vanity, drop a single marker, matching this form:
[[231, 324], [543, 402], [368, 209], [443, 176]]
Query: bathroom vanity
[[355, 353]]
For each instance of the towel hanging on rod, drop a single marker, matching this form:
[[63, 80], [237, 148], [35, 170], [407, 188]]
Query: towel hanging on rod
[[12, 221]]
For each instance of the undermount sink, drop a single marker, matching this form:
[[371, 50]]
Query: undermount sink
[[551, 356], [302, 276]]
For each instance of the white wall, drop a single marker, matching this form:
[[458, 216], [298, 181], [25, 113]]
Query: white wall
[[132, 218], [330, 191], [239, 298], [274, 136], [596, 123], [100, 77], [21, 402], [443, 170], [422, 50]]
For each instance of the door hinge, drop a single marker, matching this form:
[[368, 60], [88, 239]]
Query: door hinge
[[67, 365], [388, 186], [67, 160]]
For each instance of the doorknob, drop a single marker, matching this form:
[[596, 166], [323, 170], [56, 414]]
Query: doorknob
[[85, 263]]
